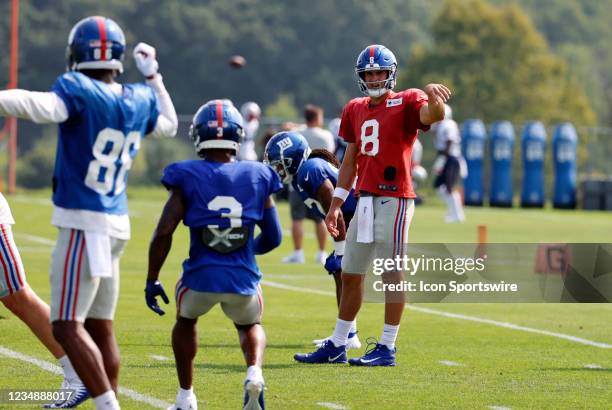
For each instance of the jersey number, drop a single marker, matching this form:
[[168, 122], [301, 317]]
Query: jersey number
[[232, 205], [369, 138], [111, 145]]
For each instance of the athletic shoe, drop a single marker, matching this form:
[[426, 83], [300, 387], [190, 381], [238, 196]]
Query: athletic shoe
[[376, 355], [320, 258], [78, 396], [352, 343], [295, 257], [254, 395], [327, 353], [190, 403]]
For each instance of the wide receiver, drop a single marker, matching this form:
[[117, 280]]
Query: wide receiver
[[221, 201], [313, 175], [101, 125], [380, 130]]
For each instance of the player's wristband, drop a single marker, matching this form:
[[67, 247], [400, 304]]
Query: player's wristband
[[341, 193], [339, 247]]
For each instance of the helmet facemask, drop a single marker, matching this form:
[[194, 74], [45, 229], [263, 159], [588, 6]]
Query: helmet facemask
[[387, 84]]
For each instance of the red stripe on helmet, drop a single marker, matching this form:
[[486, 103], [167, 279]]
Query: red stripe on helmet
[[372, 50], [219, 118], [102, 29]]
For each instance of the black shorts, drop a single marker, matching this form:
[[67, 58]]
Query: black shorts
[[299, 211], [450, 174]]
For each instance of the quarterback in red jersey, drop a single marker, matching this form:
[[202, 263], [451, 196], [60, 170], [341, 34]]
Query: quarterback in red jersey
[[380, 130]]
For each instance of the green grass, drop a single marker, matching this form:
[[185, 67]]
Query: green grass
[[500, 367]]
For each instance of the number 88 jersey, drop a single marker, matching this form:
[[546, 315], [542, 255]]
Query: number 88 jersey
[[98, 141], [384, 135]]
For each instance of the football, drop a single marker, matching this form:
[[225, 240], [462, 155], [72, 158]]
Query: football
[[237, 61]]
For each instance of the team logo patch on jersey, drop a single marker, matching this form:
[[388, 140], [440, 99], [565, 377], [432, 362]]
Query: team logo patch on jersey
[[394, 102]]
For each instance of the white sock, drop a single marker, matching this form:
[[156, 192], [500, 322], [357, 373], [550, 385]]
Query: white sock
[[389, 335], [106, 401], [184, 394], [457, 206], [299, 252], [340, 336], [254, 373], [353, 327], [448, 199], [69, 372]]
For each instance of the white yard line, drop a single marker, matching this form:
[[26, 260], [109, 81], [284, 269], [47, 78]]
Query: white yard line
[[35, 238], [449, 363], [592, 366], [457, 316], [329, 405], [499, 408], [50, 367], [159, 358]]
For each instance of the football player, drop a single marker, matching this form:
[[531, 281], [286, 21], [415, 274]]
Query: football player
[[313, 175], [380, 130], [449, 165], [101, 124], [221, 201], [20, 299], [251, 114]]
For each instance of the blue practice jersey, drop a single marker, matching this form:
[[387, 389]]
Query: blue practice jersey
[[311, 175], [222, 195], [98, 142]]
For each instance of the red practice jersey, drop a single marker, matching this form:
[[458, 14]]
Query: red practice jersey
[[384, 135]]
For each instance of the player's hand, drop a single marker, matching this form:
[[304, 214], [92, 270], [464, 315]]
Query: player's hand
[[333, 263], [437, 92], [146, 62], [331, 221], [152, 291]]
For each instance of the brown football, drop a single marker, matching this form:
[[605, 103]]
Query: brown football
[[237, 61]]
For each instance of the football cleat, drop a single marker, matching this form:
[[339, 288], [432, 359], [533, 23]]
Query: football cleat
[[327, 353], [376, 355], [295, 257], [79, 395], [191, 403], [254, 395], [352, 343]]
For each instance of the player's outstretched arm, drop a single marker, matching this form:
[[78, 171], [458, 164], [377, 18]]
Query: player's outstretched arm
[[346, 178], [146, 62], [325, 195], [160, 245], [433, 111], [271, 232], [39, 107]]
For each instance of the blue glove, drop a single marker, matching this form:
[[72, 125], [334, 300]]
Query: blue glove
[[333, 263], [154, 288]]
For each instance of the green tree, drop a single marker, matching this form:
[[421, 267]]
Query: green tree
[[498, 66]]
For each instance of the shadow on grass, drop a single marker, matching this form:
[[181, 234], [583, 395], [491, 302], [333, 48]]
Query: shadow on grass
[[577, 369], [235, 368]]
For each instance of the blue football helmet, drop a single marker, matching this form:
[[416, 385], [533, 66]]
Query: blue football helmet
[[375, 58], [285, 153], [216, 125], [95, 43]]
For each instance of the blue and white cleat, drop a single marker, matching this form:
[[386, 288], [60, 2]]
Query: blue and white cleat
[[254, 395], [79, 395], [376, 355], [352, 343], [327, 353]]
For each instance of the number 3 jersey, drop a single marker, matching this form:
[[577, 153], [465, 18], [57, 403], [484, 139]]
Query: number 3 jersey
[[98, 141], [223, 203], [384, 135]]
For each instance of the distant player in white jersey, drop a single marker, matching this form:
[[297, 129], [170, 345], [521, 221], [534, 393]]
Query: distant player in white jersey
[[251, 113], [449, 165], [20, 299], [101, 124]]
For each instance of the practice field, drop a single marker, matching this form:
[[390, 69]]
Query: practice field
[[469, 356]]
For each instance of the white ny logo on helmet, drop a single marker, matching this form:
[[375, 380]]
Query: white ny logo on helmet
[[285, 143]]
